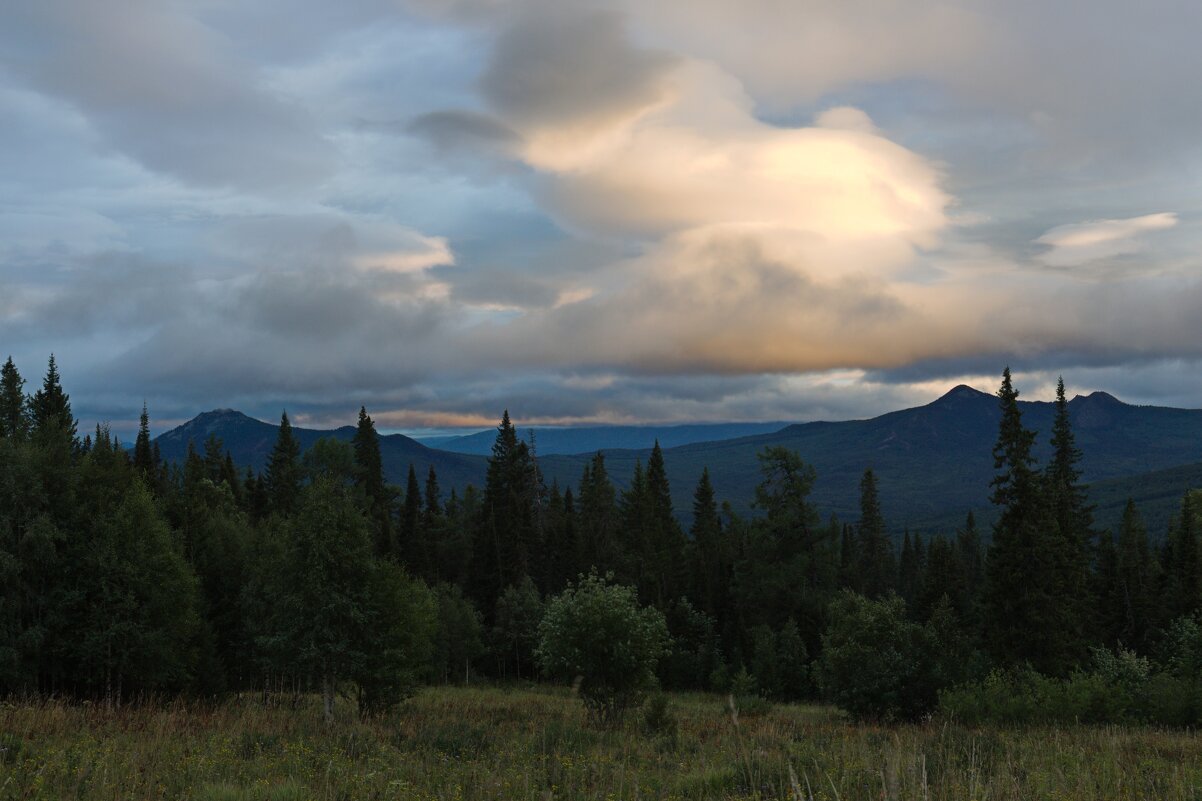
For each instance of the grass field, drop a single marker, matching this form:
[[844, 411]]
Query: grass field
[[536, 744]]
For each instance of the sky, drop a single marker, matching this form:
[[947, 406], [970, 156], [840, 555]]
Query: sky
[[597, 212]]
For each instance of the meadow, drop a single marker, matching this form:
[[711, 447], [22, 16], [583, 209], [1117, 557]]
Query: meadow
[[536, 743]]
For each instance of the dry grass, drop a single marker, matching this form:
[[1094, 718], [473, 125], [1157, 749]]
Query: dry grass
[[535, 744]]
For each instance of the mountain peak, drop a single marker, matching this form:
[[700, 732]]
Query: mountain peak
[[217, 414], [959, 394]]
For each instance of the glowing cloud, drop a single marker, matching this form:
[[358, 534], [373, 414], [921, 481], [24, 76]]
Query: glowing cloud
[[1072, 245]]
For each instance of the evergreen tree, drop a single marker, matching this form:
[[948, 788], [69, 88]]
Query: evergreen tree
[[1183, 563], [283, 475], [369, 477], [1073, 522], [506, 529], [51, 407], [1029, 616], [1132, 599], [631, 561], [143, 455], [14, 409], [878, 569], [597, 518], [709, 557], [787, 563], [664, 539], [413, 543]]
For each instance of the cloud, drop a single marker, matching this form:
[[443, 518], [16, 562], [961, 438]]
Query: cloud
[[166, 90], [1081, 243]]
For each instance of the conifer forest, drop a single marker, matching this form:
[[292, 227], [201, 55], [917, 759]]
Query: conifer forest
[[140, 593]]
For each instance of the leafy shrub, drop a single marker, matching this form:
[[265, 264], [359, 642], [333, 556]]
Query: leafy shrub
[[745, 695], [1119, 688], [660, 722], [596, 632], [877, 663]]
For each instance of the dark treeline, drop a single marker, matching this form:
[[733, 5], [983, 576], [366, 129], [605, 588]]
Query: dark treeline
[[121, 575]]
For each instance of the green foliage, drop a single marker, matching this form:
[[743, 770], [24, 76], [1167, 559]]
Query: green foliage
[[459, 640], [596, 633], [877, 663], [401, 622], [136, 604], [331, 460], [695, 651], [283, 475], [321, 608], [519, 612]]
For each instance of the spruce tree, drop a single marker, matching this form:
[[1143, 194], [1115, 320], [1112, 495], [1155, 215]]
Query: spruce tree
[[51, 407], [597, 518], [506, 528], [709, 560], [1073, 523], [664, 537], [14, 409], [1134, 591], [143, 454], [1183, 563], [414, 550], [1029, 616], [878, 569], [283, 473], [369, 477]]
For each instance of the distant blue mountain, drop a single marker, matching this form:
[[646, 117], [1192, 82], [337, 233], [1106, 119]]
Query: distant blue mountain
[[933, 462], [567, 441]]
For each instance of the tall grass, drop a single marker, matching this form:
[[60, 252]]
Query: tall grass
[[535, 744]]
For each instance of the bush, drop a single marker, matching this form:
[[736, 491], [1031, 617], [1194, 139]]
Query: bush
[[1118, 689], [876, 663], [596, 633], [659, 720]]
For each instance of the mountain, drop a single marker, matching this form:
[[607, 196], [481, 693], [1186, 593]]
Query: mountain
[[933, 462], [250, 441], [566, 441]]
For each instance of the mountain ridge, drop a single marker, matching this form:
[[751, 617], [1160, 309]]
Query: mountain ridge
[[933, 462]]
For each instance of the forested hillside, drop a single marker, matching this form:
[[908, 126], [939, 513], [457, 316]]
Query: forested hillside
[[125, 574]]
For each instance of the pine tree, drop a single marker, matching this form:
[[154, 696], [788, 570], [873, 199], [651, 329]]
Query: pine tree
[[878, 569], [506, 528], [369, 477], [709, 559], [664, 537], [14, 408], [143, 455], [1028, 616], [414, 550], [283, 470], [597, 517], [51, 407], [1073, 523], [1183, 563], [1133, 597]]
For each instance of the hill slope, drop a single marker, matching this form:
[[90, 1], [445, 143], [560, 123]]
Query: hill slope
[[933, 462], [250, 441]]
